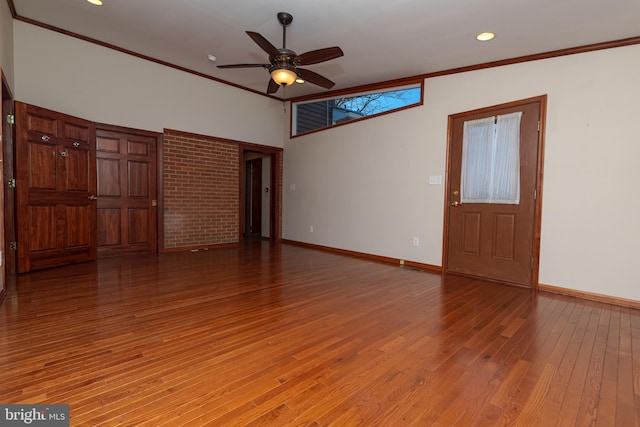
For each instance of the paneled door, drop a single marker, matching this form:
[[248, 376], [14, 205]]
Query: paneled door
[[127, 192], [495, 240], [56, 187]]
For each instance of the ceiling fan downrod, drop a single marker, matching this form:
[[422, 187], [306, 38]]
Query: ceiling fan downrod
[[285, 19]]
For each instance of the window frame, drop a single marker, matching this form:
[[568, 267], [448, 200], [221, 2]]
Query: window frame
[[390, 86]]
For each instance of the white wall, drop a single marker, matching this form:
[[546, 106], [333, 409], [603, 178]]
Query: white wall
[[6, 42], [92, 82], [364, 187]]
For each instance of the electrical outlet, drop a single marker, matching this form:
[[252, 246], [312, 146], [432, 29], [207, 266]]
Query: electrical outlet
[[416, 241]]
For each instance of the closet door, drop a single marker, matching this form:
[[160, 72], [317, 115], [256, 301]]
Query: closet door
[[56, 188], [127, 191]]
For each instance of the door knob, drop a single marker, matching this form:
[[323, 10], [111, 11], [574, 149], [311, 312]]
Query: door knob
[[93, 197], [455, 204]]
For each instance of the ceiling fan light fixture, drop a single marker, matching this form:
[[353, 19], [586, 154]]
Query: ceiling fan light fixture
[[96, 2], [283, 76]]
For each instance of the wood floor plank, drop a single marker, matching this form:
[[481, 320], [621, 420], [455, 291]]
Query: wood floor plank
[[625, 415], [279, 335], [587, 410]]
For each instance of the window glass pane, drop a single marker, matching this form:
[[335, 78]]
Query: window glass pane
[[310, 116], [491, 160]]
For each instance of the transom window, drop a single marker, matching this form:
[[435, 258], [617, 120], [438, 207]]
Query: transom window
[[309, 116]]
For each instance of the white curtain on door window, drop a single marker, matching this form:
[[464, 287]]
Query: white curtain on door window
[[491, 160]]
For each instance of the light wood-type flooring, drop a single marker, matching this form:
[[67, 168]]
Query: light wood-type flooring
[[284, 335]]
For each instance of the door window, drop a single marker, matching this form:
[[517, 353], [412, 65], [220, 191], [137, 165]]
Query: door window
[[491, 160]]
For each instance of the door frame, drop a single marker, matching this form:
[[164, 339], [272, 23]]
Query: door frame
[[8, 160], [537, 220], [7, 195], [275, 190]]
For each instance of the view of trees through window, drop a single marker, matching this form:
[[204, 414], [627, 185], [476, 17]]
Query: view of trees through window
[[316, 115]]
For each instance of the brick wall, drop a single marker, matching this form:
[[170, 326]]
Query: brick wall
[[201, 197]]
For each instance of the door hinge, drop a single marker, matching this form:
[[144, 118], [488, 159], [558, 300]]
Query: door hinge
[[11, 119], [11, 183], [535, 194], [538, 125], [13, 246]]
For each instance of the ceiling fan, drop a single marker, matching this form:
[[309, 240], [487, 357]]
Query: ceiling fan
[[284, 63]]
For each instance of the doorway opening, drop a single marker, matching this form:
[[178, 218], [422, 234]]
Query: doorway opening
[[260, 194]]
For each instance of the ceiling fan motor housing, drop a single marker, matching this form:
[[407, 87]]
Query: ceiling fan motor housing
[[286, 55]]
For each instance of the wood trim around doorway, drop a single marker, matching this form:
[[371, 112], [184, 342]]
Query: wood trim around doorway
[[275, 215], [8, 150]]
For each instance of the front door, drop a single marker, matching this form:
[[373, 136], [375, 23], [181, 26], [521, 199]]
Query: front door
[[55, 173], [127, 191], [495, 240]]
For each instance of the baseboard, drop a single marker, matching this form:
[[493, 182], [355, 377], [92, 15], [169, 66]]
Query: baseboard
[[623, 302], [199, 248], [370, 257]]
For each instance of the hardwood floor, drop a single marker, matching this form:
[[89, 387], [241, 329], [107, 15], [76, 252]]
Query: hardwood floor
[[284, 335]]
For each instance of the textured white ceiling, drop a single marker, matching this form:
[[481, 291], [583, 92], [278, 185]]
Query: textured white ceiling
[[382, 40]]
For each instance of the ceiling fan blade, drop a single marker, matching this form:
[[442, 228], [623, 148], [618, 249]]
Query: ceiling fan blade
[[315, 78], [263, 43], [245, 66], [273, 86], [317, 56]]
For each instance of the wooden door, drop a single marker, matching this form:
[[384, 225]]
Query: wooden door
[[127, 191], [56, 187], [495, 241], [253, 203]]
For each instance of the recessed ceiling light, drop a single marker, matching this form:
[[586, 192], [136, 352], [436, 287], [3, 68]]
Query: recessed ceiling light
[[299, 80], [483, 37], [212, 58], [96, 2]]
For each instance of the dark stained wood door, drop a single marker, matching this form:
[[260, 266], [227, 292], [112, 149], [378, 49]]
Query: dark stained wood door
[[127, 192], [56, 187], [253, 215], [494, 241]]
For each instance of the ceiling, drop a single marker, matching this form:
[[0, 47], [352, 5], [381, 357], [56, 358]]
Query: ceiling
[[381, 40]]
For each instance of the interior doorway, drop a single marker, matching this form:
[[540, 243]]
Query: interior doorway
[[495, 239], [257, 198], [253, 198]]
